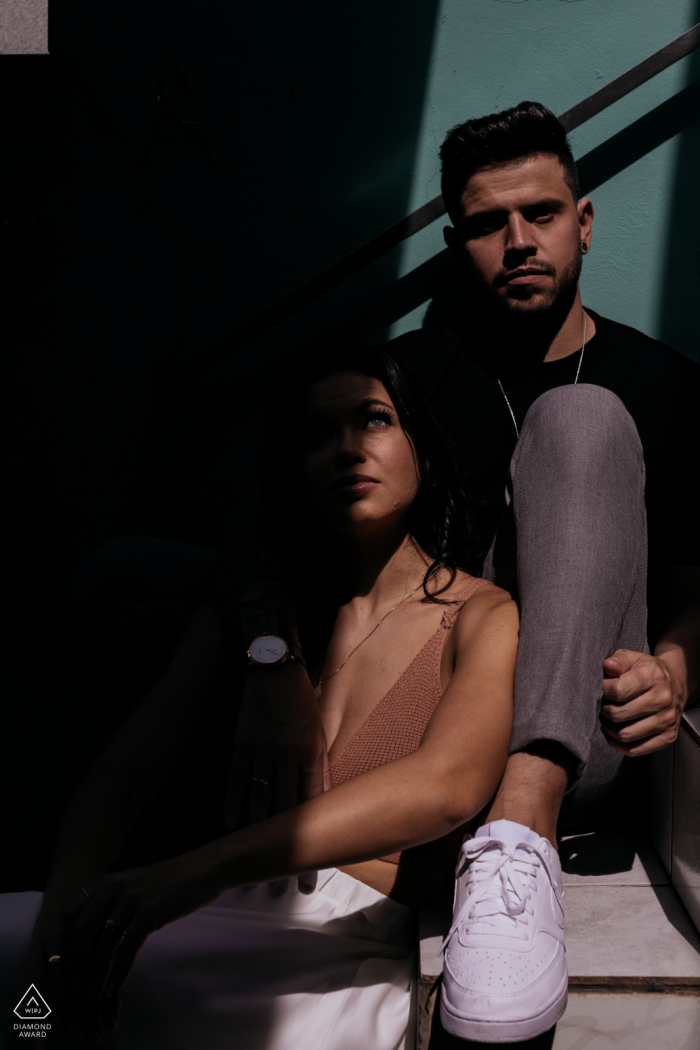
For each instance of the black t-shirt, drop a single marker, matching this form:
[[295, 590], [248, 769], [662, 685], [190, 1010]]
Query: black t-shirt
[[659, 387]]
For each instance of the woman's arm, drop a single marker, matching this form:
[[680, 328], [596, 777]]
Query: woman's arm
[[412, 800]]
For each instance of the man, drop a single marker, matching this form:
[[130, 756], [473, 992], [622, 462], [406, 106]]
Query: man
[[566, 411], [575, 508]]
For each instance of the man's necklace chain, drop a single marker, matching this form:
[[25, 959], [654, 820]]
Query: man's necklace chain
[[510, 409]]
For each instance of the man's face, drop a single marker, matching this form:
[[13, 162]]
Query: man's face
[[519, 234]]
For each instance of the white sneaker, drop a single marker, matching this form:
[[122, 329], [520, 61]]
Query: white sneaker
[[505, 977]]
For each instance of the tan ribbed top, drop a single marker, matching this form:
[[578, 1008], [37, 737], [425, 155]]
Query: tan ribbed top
[[396, 725]]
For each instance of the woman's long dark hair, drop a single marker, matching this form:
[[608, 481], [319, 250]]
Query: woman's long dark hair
[[440, 518]]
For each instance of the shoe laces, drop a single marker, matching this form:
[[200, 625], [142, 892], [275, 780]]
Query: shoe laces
[[501, 880]]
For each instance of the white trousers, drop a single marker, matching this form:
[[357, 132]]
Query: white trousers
[[322, 962]]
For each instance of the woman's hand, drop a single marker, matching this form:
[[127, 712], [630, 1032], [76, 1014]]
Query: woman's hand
[[104, 928]]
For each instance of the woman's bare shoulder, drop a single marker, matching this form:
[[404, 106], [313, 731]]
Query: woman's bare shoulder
[[490, 608], [484, 635]]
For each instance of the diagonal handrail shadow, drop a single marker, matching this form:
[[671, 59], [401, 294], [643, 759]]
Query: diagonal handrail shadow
[[635, 141]]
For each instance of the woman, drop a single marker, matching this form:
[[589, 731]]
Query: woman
[[413, 662]]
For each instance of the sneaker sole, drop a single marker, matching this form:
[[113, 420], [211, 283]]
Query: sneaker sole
[[503, 1031]]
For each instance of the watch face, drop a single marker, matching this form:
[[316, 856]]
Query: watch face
[[268, 649]]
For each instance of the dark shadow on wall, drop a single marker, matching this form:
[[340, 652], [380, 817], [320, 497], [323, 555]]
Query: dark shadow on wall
[[679, 326], [282, 138], [672, 117], [132, 224]]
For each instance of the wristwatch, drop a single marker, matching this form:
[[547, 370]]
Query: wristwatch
[[269, 650]]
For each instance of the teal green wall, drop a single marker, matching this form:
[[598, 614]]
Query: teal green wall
[[643, 268]]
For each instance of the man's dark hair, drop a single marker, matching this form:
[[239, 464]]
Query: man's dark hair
[[502, 138]]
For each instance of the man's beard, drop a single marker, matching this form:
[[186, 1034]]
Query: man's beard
[[531, 304]]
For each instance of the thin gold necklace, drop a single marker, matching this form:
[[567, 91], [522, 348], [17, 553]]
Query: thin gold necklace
[[583, 347], [322, 680]]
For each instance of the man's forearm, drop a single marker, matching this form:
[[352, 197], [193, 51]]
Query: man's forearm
[[679, 649], [252, 592], [262, 608]]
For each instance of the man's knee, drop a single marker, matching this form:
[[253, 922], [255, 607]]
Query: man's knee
[[580, 427]]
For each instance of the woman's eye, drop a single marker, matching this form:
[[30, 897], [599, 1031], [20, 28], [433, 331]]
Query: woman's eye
[[378, 419]]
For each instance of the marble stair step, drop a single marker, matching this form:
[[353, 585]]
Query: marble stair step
[[634, 971], [624, 919]]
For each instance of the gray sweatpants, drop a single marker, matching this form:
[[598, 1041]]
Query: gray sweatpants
[[572, 545]]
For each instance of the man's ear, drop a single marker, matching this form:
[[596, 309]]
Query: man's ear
[[456, 247], [585, 219]]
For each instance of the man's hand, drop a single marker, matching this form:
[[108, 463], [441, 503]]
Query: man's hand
[[279, 756], [643, 700]]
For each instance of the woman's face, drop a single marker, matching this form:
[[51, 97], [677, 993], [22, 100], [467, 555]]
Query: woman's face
[[359, 466]]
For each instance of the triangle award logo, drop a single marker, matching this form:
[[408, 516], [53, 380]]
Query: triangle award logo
[[32, 1006]]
